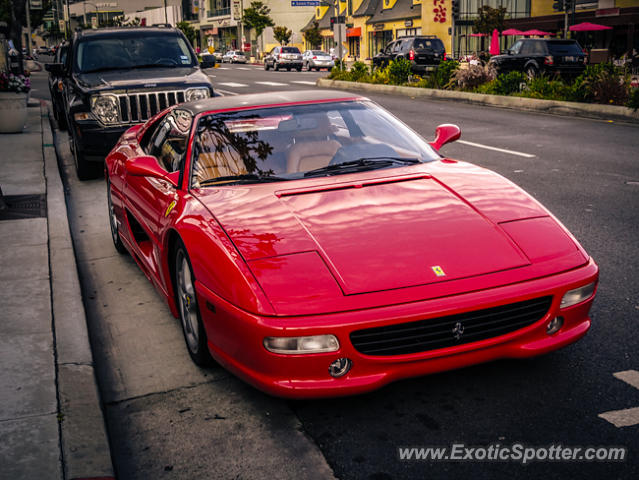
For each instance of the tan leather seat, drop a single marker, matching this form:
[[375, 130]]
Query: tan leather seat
[[211, 165], [305, 156]]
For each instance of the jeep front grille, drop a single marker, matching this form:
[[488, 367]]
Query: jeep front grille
[[136, 107]]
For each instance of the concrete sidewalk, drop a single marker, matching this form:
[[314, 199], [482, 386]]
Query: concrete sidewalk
[[51, 420]]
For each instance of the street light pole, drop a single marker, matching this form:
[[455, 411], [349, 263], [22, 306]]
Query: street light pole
[[166, 18]]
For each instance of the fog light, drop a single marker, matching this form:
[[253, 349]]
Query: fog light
[[296, 345], [340, 367], [554, 325], [578, 295]]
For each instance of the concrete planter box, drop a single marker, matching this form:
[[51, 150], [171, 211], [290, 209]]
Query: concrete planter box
[[13, 112]]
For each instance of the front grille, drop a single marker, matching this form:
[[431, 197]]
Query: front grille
[[137, 107], [451, 330]]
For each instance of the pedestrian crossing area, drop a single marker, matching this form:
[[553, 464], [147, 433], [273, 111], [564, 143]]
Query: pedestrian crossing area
[[264, 84]]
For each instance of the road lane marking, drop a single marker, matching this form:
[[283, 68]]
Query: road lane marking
[[628, 416], [223, 68], [225, 92], [233, 84], [502, 150], [303, 82], [631, 377], [273, 84], [622, 418], [242, 68]]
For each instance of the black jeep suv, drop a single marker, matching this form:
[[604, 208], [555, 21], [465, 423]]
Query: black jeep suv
[[424, 52], [536, 56], [117, 77]]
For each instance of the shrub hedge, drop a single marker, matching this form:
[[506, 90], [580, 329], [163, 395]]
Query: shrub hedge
[[602, 83]]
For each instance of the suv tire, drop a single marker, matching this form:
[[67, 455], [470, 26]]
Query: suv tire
[[531, 71]]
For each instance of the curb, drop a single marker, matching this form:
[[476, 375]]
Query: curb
[[585, 110], [84, 441]]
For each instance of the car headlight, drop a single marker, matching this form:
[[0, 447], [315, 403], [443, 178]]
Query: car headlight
[[105, 108], [297, 345], [196, 94], [578, 295]]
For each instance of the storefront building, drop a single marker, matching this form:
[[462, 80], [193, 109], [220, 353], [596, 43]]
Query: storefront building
[[621, 15]]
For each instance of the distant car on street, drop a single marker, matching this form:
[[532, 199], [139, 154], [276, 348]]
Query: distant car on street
[[536, 56], [424, 52], [44, 50], [234, 56], [317, 59], [316, 246], [284, 57]]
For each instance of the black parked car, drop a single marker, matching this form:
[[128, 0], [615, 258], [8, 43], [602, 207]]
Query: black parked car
[[284, 57], [536, 56], [56, 87], [424, 52], [117, 77]]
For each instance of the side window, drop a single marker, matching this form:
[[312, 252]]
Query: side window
[[152, 131], [516, 48], [528, 48], [169, 141], [397, 47], [389, 48], [540, 48]]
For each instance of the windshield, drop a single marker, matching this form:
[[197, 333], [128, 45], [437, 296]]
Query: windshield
[[564, 48], [294, 142], [128, 51]]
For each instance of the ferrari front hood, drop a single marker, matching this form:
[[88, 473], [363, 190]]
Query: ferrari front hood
[[389, 233], [397, 234]]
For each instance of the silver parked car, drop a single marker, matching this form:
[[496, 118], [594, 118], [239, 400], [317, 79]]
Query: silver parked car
[[284, 57], [316, 59], [234, 56]]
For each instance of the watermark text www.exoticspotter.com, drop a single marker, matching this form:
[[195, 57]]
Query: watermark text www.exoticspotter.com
[[517, 452]]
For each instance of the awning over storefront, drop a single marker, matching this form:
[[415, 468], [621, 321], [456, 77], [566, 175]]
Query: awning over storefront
[[354, 32]]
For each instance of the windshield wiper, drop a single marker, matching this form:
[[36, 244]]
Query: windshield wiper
[[242, 179], [360, 165]]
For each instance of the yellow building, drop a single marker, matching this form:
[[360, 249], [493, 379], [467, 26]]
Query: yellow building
[[459, 39]]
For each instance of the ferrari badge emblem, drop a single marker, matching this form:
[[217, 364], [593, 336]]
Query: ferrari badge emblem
[[170, 208], [458, 330], [438, 271]]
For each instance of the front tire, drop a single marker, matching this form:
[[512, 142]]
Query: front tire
[[276, 66], [531, 72], [83, 168], [266, 66], [186, 299], [113, 223]]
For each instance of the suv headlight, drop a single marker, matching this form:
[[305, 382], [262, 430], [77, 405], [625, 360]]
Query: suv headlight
[[105, 108], [196, 94]]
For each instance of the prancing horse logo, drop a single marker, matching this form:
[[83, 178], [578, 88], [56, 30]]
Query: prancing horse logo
[[458, 330]]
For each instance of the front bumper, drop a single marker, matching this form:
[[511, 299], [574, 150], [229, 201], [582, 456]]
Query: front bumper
[[236, 338], [95, 140]]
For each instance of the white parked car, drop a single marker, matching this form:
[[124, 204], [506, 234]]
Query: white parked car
[[234, 56], [316, 59]]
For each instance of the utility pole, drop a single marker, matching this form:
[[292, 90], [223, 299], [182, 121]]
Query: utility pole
[[28, 27], [166, 18], [339, 35]]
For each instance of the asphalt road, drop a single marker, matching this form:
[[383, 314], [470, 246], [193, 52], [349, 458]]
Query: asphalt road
[[169, 419]]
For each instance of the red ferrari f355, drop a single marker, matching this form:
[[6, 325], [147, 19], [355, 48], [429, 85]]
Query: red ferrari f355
[[314, 245]]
